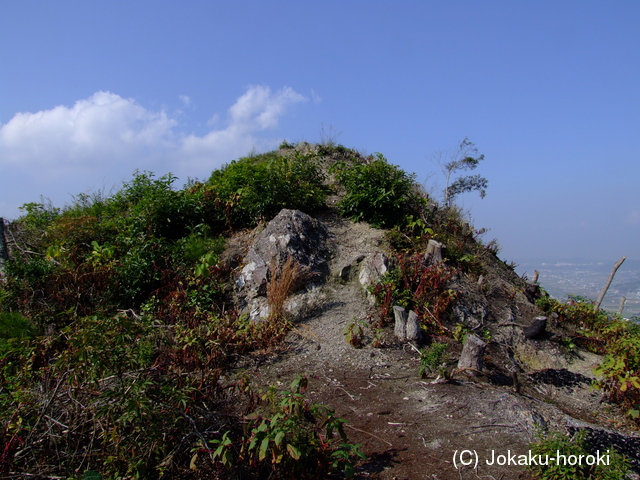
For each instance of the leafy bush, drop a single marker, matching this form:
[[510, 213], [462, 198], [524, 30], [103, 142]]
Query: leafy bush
[[415, 286], [620, 373], [14, 326], [432, 359], [378, 192], [257, 188], [617, 339], [289, 438], [552, 444]]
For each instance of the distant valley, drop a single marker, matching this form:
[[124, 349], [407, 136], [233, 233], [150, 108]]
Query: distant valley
[[586, 278]]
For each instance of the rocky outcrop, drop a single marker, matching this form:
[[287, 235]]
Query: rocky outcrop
[[372, 270], [291, 234]]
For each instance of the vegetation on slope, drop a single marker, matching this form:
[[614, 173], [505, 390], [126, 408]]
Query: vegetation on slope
[[117, 323], [116, 326]]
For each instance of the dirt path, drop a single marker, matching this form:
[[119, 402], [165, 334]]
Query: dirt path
[[410, 428]]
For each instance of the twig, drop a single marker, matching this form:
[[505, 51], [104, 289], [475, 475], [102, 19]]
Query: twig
[[509, 325], [371, 434], [370, 385], [38, 475], [350, 396], [57, 422], [493, 425]]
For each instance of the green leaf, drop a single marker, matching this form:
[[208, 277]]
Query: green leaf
[[294, 452], [264, 446], [91, 475]]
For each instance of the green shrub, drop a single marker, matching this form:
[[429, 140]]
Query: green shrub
[[616, 339], [142, 268], [14, 326], [290, 437], [152, 207], [38, 215], [257, 188], [619, 372], [378, 192], [197, 244], [552, 444], [432, 359]]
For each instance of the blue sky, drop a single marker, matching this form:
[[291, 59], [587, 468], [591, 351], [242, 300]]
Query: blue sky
[[549, 92]]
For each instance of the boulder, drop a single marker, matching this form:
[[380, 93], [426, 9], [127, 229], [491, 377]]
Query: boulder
[[291, 234]]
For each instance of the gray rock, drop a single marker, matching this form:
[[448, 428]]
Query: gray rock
[[346, 272], [291, 234], [372, 270]]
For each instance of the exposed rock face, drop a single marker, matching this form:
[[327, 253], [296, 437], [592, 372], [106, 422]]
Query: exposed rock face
[[373, 269], [291, 234]]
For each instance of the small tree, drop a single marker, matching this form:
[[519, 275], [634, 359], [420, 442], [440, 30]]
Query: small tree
[[466, 157]]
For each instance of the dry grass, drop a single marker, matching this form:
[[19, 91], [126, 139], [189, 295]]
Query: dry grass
[[284, 281]]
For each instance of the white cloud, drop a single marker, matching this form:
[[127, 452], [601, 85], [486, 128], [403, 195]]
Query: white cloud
[[105, 137], [257, 110], [103, 127]]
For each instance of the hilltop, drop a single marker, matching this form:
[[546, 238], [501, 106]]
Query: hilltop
[[251, 325]]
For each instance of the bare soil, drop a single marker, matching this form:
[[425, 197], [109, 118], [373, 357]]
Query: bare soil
[[414, 428]]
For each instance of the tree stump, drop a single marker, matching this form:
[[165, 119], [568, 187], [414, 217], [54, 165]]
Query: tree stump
[[472, 355], [532, 290], [536, 274], [412, 332], [537, 328], [433, 255], [400, 328]]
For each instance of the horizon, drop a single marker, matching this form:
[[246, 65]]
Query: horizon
[[547, 92]]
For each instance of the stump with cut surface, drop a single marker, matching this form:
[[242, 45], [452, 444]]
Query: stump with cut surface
[[400, 327], [537, 328], [471, 358], [413, 332], [407, 327], [433, 255]]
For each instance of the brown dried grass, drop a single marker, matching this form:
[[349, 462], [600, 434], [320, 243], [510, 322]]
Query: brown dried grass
[[285, 280]]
